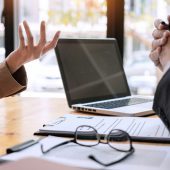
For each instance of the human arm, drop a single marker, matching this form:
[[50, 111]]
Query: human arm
[[160, 55], [161, 104], [12, 73], [11, 83]]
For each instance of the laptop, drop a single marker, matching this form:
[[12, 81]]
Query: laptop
[[94, 79]]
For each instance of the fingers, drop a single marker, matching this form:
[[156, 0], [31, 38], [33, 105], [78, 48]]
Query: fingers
[[166, 34], [157, 23], [160, 29], [154, 56], [161, 35], [42, 40], [160, 38], [158, 42], [52, 43], [29, 35], [55, 40], [158, 33], [21, 38]]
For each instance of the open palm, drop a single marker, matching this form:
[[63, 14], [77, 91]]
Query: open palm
[[27, 52]]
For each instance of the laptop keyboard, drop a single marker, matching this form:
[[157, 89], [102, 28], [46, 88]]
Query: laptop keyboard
[[119, 103]]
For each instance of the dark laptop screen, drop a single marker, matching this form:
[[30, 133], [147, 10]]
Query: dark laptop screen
[[91, 70]]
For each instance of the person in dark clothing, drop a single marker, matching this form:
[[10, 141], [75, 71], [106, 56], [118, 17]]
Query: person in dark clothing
[[160, 55]]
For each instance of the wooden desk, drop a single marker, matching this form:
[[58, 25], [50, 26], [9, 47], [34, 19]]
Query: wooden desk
[[20, 117]]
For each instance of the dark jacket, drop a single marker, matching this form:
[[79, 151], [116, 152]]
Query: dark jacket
[[162, 99]]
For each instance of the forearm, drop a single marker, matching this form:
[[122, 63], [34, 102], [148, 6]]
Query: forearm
[[11, 83], [14, 61]]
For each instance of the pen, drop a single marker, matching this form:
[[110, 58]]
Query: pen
[[165, 24], [21, 146], [3, 161]]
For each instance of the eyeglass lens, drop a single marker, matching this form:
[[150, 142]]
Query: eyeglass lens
[[119, 140], [86, 136]]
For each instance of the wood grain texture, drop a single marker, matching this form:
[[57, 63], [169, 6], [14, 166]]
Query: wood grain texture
[[20, 117]]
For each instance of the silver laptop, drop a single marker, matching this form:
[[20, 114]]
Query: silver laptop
[[94, 79]]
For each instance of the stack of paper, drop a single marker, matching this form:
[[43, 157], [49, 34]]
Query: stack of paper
[[139, 128], [145, 157]]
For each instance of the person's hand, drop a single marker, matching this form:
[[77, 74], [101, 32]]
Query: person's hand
[[27, 52], [160, 35]]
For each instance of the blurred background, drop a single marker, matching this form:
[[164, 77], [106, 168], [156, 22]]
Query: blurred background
[[86, 19]]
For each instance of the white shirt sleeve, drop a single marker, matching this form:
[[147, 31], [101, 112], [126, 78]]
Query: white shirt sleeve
[[167, 66]]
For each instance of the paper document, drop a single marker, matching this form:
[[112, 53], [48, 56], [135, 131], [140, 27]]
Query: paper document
[[139, 128], [145, 157]]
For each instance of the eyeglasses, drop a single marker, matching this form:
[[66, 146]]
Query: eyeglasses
[[88, 136]]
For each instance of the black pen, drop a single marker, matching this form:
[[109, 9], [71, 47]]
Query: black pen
[[21, 146], [165, 24]]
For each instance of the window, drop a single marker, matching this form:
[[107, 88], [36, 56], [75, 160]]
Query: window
[[139, 17], [74, 18], [88, 18]]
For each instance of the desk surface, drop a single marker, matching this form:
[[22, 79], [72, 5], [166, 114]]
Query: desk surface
[[20, 117]]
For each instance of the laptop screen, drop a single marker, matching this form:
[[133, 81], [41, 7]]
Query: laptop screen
[[91, 70]]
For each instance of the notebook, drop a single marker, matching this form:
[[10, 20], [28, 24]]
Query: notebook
[[94, 79]]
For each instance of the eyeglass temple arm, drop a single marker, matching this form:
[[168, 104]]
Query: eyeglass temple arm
[[109, 164], [61, 144]]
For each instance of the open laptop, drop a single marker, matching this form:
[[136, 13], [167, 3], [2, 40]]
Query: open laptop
[[94, 79]]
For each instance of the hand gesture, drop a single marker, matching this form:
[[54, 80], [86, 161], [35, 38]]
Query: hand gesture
[[30, 51], [160, 35]]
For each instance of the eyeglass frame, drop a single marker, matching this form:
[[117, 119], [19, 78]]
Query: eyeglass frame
[[130, 151]]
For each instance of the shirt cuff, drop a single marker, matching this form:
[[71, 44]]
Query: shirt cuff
[[166, 68]]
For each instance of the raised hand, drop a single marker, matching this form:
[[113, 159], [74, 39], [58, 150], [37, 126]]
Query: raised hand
[[29, 51]]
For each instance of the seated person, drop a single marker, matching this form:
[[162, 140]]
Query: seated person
[[160, 55], [13, 77]]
